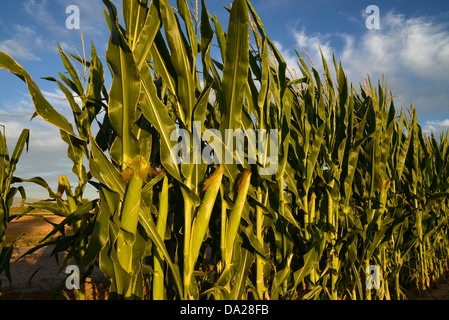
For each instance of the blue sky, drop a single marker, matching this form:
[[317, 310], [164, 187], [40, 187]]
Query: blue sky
[[411, 49]]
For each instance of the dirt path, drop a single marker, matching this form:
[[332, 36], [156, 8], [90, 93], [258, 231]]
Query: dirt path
[[33, 274], [439, 292], [29, 230], [37, 275]]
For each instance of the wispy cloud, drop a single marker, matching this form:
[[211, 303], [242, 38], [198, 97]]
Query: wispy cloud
[[43, 137], [46, 26], [46, 156], [290, 57], [92, 22], [16, 115], [412, 53], [59, 101], [314, 44], [23, 44], [52, 15], [418, 45], [435, 127], [39, 12]]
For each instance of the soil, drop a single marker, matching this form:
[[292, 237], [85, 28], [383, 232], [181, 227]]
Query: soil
[[37, 275]]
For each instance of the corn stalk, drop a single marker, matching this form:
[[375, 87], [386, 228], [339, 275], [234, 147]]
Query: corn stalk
[[8, 165], [355, 183]]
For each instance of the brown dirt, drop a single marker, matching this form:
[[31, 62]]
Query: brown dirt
[[37, 275], [27, 231], [439, 291]]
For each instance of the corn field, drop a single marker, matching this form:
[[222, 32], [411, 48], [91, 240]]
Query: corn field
[[358, 183]]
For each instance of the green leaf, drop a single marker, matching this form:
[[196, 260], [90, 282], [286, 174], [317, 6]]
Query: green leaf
[[310, 259], [150, 228], [180, 58], [156, 113], [236, 64], [246, 260], [78, 87], [134, 13], [100, 233], [108, 171], [146, 36], [43, 108], [125, 90], [76, 215]]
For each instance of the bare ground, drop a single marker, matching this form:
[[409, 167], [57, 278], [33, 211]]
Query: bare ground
[[439, 291], [37, 275]]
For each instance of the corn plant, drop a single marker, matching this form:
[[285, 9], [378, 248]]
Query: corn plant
[[8, 165], [356, 184]]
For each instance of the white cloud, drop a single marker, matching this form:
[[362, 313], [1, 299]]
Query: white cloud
[[290, 59], [23, 45], [414, 56], [43, 137], [435, 127], [314, 45], [17, 110], [418, 45], [426, 49], [16, 115], [50, 17], [59, 101], [46, 156], [92, 21], [18, 49], [412, 53], [38, 10]]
